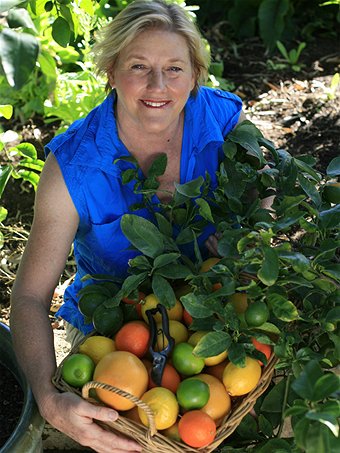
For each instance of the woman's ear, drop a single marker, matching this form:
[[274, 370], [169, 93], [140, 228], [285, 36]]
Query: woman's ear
[[111, 78]]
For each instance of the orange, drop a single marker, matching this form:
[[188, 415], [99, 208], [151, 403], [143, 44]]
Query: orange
[[217, 370], [209, 361], [216, 286], [208, 264], [151, 301], [239, 302], [164, 406], [123, 370], [172, 432], [264, 348], [239, 381], [187, 318], [170, 379], [197, 429], [177, 331], [133, 337], [219, 403]]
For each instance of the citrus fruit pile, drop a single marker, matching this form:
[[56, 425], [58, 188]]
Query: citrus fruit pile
[[195, 394]]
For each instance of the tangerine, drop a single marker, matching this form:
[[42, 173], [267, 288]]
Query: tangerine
[[133, 337], [197, 429], [262, 347], [170, 379]]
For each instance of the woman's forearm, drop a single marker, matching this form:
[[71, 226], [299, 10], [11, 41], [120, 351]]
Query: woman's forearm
[[34, 345]]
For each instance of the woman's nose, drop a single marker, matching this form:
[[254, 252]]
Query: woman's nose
[[157, 80]]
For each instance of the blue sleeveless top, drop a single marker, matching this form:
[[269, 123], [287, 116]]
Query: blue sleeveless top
[[86, 153]]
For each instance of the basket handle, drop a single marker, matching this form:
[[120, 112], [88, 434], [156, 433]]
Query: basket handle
[[101, 385]]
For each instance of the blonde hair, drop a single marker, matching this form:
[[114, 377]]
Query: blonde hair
[[142, 15]]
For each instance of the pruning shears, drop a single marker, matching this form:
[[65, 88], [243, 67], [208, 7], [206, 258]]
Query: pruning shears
[[159, 358]]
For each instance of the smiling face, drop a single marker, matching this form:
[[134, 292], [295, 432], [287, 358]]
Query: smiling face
[[153, 79]]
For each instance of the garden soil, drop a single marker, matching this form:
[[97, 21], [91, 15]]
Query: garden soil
[[297, 111]]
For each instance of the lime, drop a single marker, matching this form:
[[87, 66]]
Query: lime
[[185, 361], [108, 320], [89, 302], [77, 369], [256, 314], [192, 393]]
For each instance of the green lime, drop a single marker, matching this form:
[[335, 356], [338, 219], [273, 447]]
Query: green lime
[[256, 314], [77, 369], [89, 302], [107, 321], [185, 361], [192, 394]]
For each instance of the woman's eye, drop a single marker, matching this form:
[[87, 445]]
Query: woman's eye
[[138, 66], [175, 69]]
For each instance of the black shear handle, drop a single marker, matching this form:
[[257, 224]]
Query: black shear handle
[[159, 357]]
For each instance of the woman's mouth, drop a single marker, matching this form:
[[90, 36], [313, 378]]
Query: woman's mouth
[[154, 104]]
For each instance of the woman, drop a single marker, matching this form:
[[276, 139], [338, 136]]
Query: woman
[[155, 62]]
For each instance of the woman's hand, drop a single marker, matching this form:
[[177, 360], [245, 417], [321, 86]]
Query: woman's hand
[[76, 418]]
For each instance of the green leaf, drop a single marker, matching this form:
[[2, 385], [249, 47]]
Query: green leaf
[[269, 271], [196, 306], [19, 17], [173, 272], [237, 354], [191, 189], [6, 111], [271, 16], [333, 314], [333, 168], [165, 259], [204, 209], [163, 224], [163, 291], [301, 432], [5, 174], [27, 150], [61, 31], [283, 308], [319, 439], [326, 419], [275, 445], [265, 426], [310, 189], [269, 327], [213, 343], [304, 385], [298, 261], [273, 400], [3, 214], [18, 55], [6, 5], [158, 166], [325, 386], [131, 283], [143, 234], [330, 218]]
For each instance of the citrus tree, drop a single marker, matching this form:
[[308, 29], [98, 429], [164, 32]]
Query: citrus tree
[[281, 258]]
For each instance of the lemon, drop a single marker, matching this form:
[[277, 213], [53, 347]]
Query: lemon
[[96, 347], [151, 301], [164, 406], [240, 381], [177, 330]]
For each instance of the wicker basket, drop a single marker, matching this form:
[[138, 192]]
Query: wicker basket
[[152, 440]]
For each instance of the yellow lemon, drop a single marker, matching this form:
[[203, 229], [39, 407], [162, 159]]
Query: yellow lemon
[[96, 347], [177, 330], [151, 301], [239, 381], [164, 406]]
